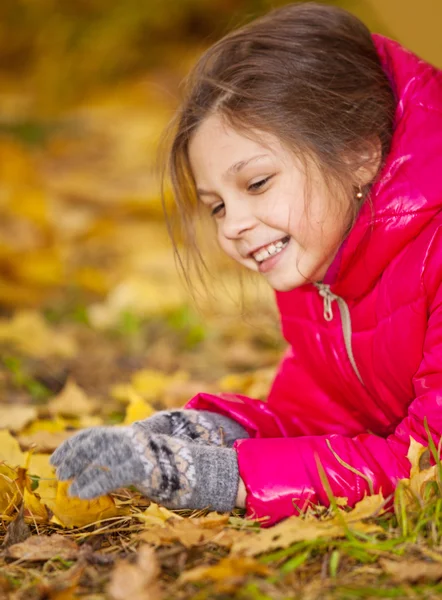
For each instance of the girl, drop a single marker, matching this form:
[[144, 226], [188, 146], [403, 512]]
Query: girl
[[317, 149]]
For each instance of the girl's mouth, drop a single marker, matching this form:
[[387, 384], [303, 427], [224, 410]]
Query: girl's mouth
[[268, 256]]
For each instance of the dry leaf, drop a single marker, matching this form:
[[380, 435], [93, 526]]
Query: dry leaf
[[137, 409], [10, 452], [16, 417], [412, 570], [307, 527], [44, 441], [156, 515], [72, 401], [193, 532], [44, 547], [17, 530], [137, 581], [10, 492], [418, 455], [28, 332], [74, 512], [230, 567]]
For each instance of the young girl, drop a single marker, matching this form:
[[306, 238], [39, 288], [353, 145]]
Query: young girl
[[317, 149]]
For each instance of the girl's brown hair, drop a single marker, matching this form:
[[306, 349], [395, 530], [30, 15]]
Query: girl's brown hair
[[307, 73]]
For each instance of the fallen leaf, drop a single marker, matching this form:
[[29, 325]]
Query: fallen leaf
[[44, 547], [137, 410], [29, 333], [137, 581], [17, 530], [412, 570], [44, 441], [54, 425], [10, 452], [419, 455], [72, 401], [156, 515], [228, 568], [307, 527], [74, 512], [10, 492], [193, 532], [15, 418]]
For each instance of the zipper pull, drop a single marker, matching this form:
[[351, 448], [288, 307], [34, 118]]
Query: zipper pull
[[328, 296]]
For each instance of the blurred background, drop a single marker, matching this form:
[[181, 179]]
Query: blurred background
[[87, 87]]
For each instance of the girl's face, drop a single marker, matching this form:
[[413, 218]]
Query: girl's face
[[256, 193]]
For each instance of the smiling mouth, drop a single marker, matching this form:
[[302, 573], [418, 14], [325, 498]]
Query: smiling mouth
[[263, 254]]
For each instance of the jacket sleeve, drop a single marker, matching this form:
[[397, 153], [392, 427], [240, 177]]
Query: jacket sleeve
[[281, 474]]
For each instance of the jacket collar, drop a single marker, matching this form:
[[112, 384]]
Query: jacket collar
[[408, 192]]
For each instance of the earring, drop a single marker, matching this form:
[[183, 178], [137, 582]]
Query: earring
[[359, 194]]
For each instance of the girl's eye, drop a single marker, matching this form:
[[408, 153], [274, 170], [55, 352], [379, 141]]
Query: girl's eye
[[217, 209], [258, 184]]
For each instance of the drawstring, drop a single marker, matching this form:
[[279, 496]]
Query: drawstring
[[329, 297]]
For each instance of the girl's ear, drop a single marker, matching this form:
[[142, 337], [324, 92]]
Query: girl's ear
[[368, 162]]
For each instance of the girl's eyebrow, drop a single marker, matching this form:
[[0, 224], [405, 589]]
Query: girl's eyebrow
[[236, 168]]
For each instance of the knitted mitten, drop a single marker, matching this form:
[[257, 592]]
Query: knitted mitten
[[176, 458]]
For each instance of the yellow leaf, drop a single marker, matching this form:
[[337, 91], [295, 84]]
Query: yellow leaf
[[28, 332], [72, 401], [40, 267], [420, 473], [9, 491], [156, 515], [10, 452], [53, 425], [74, 512], [227, 568], [150, 384], [137, 410], [34, 508], [235, 383], [15, 417]]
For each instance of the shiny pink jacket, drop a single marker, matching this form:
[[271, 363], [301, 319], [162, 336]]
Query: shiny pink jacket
[[389, 273]]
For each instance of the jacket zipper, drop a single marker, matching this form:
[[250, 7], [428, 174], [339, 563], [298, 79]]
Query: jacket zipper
[[329, 297]]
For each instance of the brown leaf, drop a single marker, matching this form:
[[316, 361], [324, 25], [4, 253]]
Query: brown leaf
[[193, 532], [44, 441], [228, 568], [17, 530], [412, 570], [44, 547], [71, 402], [15, 418], [138, 581]]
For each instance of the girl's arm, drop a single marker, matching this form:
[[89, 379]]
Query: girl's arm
[[280, 473]]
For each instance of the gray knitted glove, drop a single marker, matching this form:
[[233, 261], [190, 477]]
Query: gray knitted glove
[[175, 458]]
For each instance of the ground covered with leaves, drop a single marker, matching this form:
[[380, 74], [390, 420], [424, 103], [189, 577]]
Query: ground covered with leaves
[[60, 374]]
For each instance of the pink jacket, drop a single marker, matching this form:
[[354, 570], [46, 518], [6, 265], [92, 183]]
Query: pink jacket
[[363, 370]]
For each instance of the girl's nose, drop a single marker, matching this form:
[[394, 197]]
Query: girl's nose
[[234, 225]]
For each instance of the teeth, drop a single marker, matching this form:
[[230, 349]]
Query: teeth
[[270, 250]]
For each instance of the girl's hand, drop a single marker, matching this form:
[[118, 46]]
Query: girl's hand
[[196, 426], [170, 470]]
